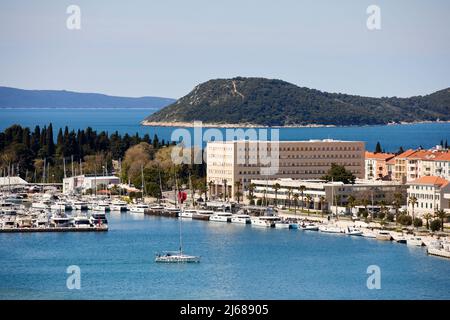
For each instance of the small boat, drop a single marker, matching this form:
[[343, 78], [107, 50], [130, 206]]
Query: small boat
[[353, 231], [383, 236], [309, 227], [414, 241], [221, 217], [98, 219], [43, 204], [81, 222], [156, 210], [241, 219], [61, 206], [60, 221], [79, 205], [171, 212], [293, 225], [188, 213], [139, 208], [264, 221], [119, 205], [330, 229], [398, 237], [176, 257], [369, 234], [203, 214], [101, 206], [438, 248], [282, 225]]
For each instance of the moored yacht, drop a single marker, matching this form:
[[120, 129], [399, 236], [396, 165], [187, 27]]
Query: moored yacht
[[98, 219], [353, 231], [203, 214], [241, 218], [264, 221], [330, 229], [383, 235], [221, 217], [61, 206], [414, 241], [81, 222], [187, 213], [119, 205], [42, 204], [79, 205], [138, 208], [60, 221], [309, 226], [101, 206]]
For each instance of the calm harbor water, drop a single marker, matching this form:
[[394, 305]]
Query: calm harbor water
[[127, 121], [238, 262]]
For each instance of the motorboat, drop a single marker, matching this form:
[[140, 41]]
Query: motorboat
[[439, 248], [171, 212], [60, 221], [42, 204], [156, 209], [414, 241], [203, 214], [383, 235], [98, 219], [79, 205], [330, 229], [139, 208], [187, 213], [309, 227], [241, 218], [60, 206], [353, 231], [264, 221], [119, 205], [369, 234], [221, 217], [81, 222], [398, 237], [101, 206]]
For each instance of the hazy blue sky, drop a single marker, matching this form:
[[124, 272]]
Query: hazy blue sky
[[166, 47]]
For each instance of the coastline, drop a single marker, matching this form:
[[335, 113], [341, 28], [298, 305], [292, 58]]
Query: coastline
[[250, 125]]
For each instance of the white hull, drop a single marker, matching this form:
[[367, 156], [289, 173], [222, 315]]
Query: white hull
[[414, 242], [330, 229], [281, 225], [186, 215], [261, 223], [38, 205], [241, 220], [439, 252], [219, 218]]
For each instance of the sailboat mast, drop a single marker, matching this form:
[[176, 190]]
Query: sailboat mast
[[179, 218], [160, 186]]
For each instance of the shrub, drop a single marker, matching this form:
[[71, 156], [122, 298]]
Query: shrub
[[390, 217], [381, 215], [435, 225], [418, 222], [404, 219]]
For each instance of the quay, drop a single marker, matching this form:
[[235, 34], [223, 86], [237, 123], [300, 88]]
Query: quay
[[60, 229]]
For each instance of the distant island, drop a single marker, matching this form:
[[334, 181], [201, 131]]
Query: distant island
[[246, 102], [20, 98]]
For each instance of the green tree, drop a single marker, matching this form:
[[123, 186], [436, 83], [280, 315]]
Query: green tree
[[276, 187], [412, 201], [378, 148], [339, 173], [417, 222], [427, 218], [295, 196], [435, 225], [441, 214]]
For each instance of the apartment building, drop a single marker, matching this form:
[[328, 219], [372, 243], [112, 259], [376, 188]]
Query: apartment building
[[377, 167], [79, 184], [432, 194], [413, 164], [233, 164]]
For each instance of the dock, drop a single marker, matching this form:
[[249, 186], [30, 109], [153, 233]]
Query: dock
[[67, 229]]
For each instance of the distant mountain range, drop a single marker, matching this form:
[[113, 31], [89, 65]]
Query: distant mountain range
[[267, 102], [19, 98]]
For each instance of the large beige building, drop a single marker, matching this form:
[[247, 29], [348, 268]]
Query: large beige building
[[431, 194], [238, 162]]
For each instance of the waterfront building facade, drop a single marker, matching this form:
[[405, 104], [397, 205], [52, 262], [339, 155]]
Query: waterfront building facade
[[431, 193], [233, 164], [82, 183], [321, 195]]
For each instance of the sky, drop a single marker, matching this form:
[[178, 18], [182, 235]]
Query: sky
[[165, 48]]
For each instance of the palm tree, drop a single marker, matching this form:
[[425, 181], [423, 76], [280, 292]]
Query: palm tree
[[308, 201], [302, 190], [276, 187], [441, 214], [412, 201], [238, 191], [251, 190], [210, 185], [427, 217], [295, 202], [322, 202], [351, 203], [397, 203], [289, 195]]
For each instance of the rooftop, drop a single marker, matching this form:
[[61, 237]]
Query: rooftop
[[431, 180], [379, 156]]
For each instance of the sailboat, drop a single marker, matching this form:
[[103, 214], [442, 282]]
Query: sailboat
[[177, 256]]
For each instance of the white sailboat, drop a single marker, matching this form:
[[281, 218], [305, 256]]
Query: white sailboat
[[176, 256]]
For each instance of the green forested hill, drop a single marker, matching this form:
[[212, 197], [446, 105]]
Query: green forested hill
[[268, 102]]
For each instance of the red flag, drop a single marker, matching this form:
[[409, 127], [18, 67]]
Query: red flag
[[182, 196]]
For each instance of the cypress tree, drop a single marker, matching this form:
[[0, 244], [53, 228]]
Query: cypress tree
[[378, 148]]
